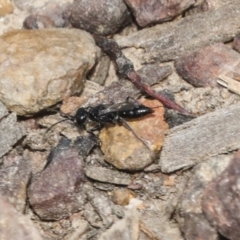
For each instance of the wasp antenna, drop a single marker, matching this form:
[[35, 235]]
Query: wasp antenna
[[63, 120]]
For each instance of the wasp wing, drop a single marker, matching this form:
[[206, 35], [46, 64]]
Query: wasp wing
[[118, 107]]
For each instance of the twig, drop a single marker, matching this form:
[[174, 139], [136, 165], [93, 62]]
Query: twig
[[126, 69]]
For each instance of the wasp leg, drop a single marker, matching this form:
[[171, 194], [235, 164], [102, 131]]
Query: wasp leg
[[127, 126], [98, 127]]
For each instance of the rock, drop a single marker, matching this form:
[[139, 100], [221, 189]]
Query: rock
[[101, 204], [6, 7], [79, 225], [127, 228], [38, 21], [107, 175], [14, 225], [189, 210], [100, 72], [54, 12], [236, 43], [147, 13], [118, 91], [42, 67], [174, 118], [123, 150], [15, 175], [3, 110], [202, 68], [10, 132], [103, 17], [58, 190], [155, 222], [194, 140], [198, 228], [220, 201], [169, 41], [122, 196]]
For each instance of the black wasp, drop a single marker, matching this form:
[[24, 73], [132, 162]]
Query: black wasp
[[104, 114]]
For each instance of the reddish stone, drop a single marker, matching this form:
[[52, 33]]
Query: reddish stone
[[57, 191], [149, 12], [203, 67], [221, 201]]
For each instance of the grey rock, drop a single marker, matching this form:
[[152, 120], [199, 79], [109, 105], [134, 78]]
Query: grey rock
[[10, 132], [169, 41], [14, 179], [101, 204], [43, 66], [3, 110], [107, 175], [197, 140], [103, 17]]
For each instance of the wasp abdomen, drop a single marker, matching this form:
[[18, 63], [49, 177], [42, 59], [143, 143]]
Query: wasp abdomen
[[136, 113]]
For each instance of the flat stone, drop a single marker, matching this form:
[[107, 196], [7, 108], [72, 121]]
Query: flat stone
[[169, 41], [197, 140], [102, 174], [42, 67], [155, 11], [202, 68]]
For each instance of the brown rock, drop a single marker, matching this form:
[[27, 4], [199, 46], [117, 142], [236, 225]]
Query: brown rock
[[122, 196], [103, 17], [14, 225], [57, 191], [202, 68], [123, 150], [221, 201], [149, 12], [41, 67], [6, 7]]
